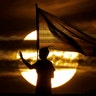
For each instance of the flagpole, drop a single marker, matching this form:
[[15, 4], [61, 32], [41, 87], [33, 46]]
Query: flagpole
[[37, 28]]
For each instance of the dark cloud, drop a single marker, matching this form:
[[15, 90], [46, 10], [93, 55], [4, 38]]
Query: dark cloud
[[17, 17], [16, 27]]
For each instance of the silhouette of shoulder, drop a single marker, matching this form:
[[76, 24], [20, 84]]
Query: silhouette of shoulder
[[44, 67]]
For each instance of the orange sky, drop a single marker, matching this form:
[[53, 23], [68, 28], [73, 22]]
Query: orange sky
[[18, 16]]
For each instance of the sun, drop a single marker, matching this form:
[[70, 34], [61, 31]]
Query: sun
[[61, 75], [31, 36]]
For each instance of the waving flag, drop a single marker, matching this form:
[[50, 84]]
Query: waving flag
[[55, 33]]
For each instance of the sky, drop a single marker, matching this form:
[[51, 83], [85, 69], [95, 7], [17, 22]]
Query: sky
[[17, 17]]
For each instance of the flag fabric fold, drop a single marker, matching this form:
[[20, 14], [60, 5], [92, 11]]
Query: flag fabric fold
[[60, 36]]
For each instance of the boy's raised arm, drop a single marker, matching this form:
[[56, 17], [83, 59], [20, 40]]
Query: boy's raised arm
[[25, 62]]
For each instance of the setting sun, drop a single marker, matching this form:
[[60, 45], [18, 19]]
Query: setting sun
[[65, 70], [61, 76], [31, 36]]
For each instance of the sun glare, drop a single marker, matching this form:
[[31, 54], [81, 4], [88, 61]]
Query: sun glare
[[60, 60], [31, 36], [58, 80]]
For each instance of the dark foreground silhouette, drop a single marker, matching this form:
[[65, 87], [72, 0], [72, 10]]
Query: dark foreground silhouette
[[45, 72]]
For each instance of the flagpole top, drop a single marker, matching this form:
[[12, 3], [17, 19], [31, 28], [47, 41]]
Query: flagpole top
[[36, 5]]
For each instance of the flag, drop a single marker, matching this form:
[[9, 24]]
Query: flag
[[60, 36]]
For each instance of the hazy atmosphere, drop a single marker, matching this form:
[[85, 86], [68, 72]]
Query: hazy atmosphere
[[18, 19]]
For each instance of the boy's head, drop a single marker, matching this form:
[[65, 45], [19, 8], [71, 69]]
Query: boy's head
[[43, 52]]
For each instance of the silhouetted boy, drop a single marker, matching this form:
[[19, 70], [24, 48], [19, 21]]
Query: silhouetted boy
[[45, 71]]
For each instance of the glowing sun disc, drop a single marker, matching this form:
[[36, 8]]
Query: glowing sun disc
[[61, 76], [31, 36]]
